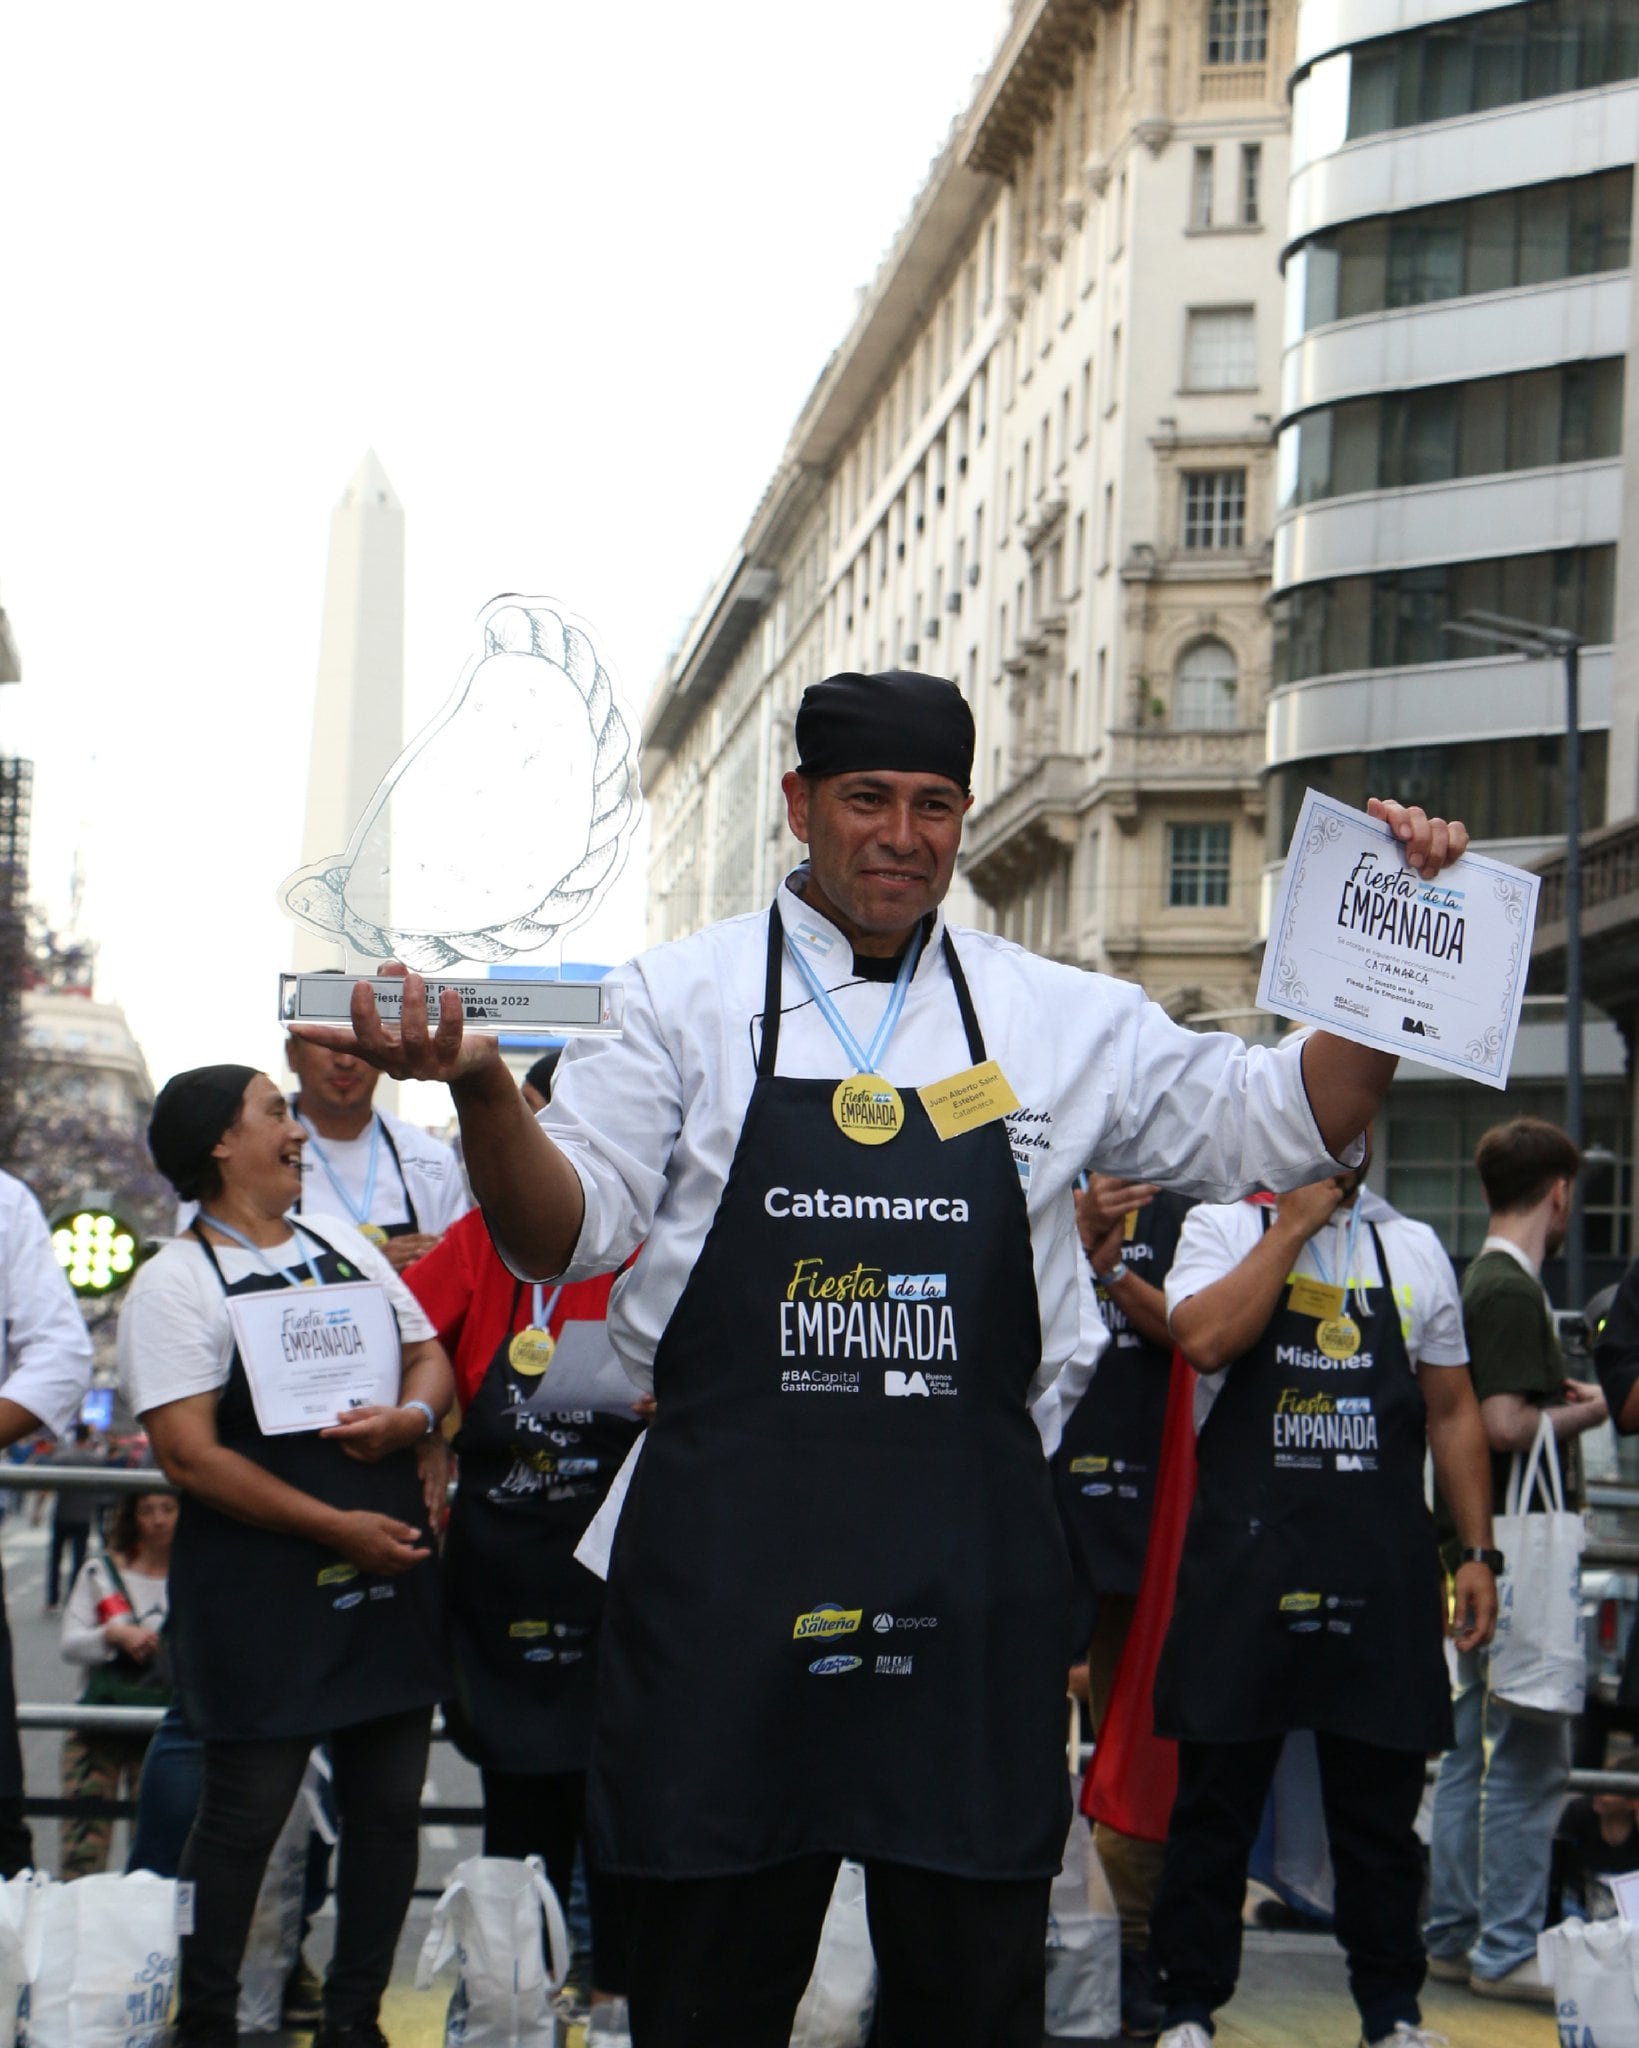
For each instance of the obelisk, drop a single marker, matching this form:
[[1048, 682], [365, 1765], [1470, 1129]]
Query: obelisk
[[358, 708]]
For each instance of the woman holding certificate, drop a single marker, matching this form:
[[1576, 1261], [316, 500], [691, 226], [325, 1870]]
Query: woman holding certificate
[[286, 1378]]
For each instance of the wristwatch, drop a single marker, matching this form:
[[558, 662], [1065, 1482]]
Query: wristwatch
[[1491, 1559], [1114, 1277]]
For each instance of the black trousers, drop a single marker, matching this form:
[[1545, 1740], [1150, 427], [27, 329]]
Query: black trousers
[[544, 1814], [16, 1843], [960, 1961], [1370, 1795], [380, 1767]]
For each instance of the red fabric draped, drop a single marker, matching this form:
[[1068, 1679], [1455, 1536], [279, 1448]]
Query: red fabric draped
[[1132, 1777]]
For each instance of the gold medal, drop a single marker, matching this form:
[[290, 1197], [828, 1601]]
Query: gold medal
[[1339, 1336], [372, 1233], [868, 1109], [530, 1352]]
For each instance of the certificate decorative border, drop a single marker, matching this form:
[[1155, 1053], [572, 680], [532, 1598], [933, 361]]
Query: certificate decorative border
[[1282, 987]]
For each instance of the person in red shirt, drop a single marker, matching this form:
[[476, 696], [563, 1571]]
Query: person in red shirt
[[523, 1616]]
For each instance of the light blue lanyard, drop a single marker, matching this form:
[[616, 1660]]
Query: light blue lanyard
[[261, 1257], [1348, 1252], [540, 1315], [865, 1062], [360, 1212]]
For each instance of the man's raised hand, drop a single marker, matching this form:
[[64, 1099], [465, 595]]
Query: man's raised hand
[[1428, 844], [416, 1048]]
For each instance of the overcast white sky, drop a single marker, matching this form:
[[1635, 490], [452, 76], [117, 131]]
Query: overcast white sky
[[570, 269]]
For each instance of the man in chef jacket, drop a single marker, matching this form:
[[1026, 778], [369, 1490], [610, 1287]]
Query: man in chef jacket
[[45, 1370], [848, 1134]]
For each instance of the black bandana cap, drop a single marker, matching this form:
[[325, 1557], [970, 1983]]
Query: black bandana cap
[[192, 1112], [900, 721]]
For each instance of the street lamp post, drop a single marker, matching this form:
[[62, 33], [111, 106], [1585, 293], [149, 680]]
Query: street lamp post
[[1538, 643]]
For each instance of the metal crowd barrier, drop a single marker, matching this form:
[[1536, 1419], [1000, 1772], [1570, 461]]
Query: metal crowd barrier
[[47, 1478]]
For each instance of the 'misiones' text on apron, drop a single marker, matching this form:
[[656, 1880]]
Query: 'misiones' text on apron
[[275, 1634], [1310, 1595], [523, 1615], [836, 1607]]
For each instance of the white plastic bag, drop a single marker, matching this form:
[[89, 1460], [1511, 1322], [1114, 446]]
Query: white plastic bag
[[20, 1932], [836, 2008], [489, 1920], [276, 1925], [1083, 1943], [105, 1966], [1593, 1966], [1538, 1658]]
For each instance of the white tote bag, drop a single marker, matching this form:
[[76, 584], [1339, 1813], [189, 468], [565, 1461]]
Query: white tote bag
[[1083, 1944], [490, 1920], [836, 2008], [1593, 1966], [106, 1964], [1539, 1659]]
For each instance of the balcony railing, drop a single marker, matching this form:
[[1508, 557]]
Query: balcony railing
[[1610, 883]]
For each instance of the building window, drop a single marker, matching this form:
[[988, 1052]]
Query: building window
[[1205, 689], [1220, 349], [1251, 184], [1503, 58], [1536, 234], [1200, 189], [1487, 426], [1214, 508], [1237, 31], [1393, 619], [1501, 789], [1197, 867]]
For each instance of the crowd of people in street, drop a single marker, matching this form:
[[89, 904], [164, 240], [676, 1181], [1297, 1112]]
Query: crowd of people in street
[[910, 1245]]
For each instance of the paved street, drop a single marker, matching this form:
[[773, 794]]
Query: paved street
[[1293, 1992]]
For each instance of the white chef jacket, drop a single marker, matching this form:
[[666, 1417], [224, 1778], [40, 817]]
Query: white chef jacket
[[1104, 1078], [431, 1175], [1216, 1238], [45, 1351]]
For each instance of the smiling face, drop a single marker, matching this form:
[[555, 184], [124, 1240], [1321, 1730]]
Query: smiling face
[[881, 848], [259, 1155]]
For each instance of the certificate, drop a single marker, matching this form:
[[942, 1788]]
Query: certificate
[[311, 1353], [1361, 945]]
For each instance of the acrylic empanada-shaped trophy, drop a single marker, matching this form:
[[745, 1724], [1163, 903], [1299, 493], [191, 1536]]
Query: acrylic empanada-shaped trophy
[[498, 828]]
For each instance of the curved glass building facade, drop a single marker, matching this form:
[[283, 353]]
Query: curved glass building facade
[[1458, 271]]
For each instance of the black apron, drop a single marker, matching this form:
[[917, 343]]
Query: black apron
[[522, 1614], [369, 1226], [1105, 1468], [1310, 1594], [273, 1634], [835, 1617]]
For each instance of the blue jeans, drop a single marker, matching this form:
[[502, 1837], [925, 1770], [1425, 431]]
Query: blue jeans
[[1496, 1805], [168, 1796]]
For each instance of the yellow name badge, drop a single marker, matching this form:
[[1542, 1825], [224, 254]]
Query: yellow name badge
[[1316, 1298], [978, 1095]]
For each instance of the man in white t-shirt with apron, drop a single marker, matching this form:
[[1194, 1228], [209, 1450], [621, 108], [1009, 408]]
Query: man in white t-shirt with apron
[[399, 1188], [1328, 1336]]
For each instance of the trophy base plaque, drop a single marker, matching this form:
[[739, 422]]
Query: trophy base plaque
[[521, 1009]]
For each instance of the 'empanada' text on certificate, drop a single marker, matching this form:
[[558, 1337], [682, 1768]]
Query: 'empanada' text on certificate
[[1361, 945]]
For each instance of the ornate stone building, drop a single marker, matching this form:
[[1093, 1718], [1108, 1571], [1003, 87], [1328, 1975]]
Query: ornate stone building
[[1040, 462]]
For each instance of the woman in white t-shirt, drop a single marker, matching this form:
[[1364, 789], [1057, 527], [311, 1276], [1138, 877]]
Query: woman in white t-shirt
[[286, 1378], [111, 1630]]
